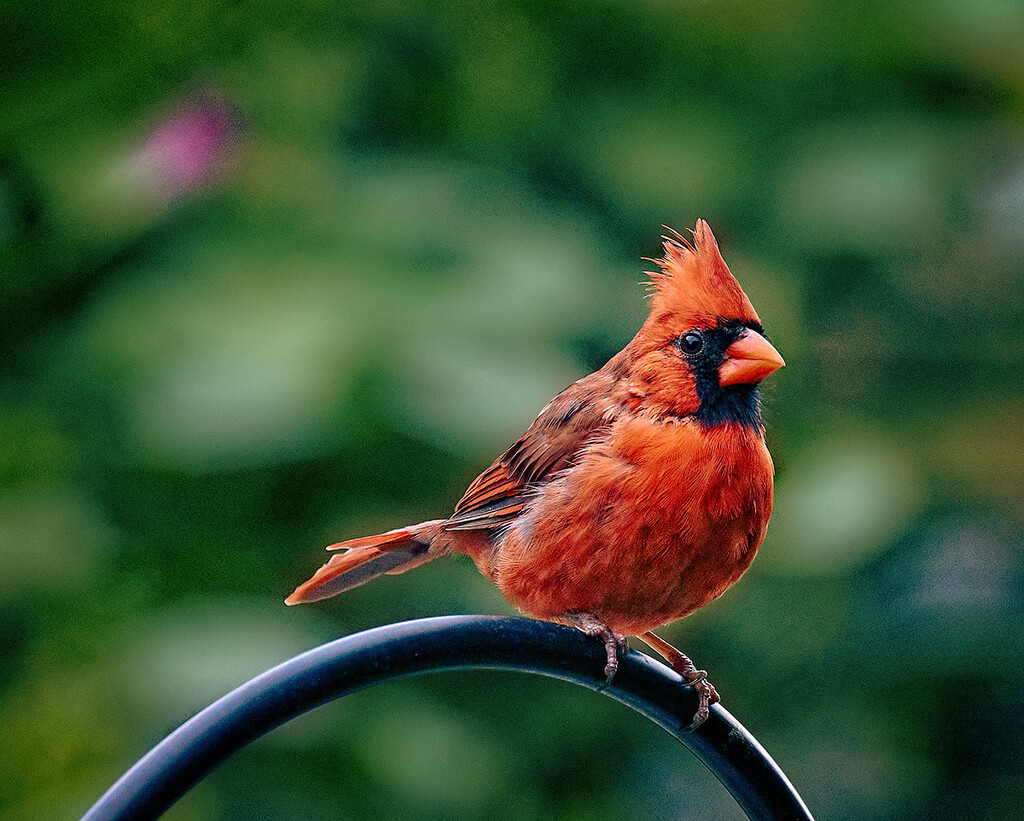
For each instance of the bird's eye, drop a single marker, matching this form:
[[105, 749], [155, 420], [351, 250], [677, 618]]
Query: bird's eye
[[691, 343]]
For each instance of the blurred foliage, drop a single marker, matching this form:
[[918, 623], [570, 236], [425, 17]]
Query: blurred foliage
[[274, 275]]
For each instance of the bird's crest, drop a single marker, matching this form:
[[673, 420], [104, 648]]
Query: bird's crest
[[694, 281]]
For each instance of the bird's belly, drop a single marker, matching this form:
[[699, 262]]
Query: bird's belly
[[633, 585], [633, 547]]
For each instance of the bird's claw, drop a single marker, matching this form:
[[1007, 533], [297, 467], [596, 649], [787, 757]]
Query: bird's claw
[[706, 695], [614, 642], [698, 679]]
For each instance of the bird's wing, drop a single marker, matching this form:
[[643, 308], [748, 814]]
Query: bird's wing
[[574, 418]]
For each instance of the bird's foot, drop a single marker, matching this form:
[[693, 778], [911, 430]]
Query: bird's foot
[[614, 642], [698, 679], [706, 693]]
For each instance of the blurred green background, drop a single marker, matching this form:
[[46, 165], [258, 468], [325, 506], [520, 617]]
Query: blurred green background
[[275, 275]]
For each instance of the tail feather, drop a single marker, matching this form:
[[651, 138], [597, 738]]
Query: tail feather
[[364, 558], [393, 537]]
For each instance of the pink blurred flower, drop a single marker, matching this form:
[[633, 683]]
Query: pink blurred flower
[[190, 147]]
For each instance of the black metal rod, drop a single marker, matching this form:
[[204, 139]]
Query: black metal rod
[[349, 664]]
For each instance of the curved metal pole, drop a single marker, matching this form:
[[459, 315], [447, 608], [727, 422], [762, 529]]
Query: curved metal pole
[[349, 664]]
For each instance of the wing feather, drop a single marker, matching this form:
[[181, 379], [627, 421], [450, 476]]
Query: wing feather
[[582, 413]]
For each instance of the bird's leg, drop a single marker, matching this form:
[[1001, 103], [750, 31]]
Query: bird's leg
[[592, 626], [681, 663]]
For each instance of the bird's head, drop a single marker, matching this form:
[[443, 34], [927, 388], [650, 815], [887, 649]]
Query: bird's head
[[702, 351]]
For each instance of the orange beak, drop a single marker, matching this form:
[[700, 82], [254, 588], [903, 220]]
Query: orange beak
[[748, 360]]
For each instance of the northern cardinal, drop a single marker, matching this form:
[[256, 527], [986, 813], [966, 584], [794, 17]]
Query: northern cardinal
[[639, 494]]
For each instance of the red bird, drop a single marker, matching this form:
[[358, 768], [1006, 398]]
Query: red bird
[[639, 494]]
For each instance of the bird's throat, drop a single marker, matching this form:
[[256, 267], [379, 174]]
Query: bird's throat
[[739, 404]]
